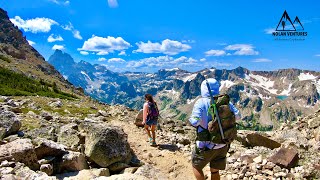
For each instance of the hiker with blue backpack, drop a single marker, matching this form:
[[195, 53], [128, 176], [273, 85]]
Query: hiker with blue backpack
[[214, 117], [150, 118]]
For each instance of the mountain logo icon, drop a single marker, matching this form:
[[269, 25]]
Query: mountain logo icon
[[285, 23]]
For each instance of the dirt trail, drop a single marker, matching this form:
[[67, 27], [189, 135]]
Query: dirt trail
[[172, 162]]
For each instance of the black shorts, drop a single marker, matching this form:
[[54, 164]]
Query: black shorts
[[216, 157]]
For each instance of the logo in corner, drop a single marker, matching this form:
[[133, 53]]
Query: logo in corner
[[288, 30]]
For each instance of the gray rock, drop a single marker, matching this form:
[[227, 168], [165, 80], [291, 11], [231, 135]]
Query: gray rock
[[9, 122], [256, 139], [72, 161], [285, 157], [69, 136], [314, 123], [48, 148], [46, 115], [47, 168], [86, 174], [20, 150], [106, 145], [139, 118], [118, 166], [103, 113], [150, 172]]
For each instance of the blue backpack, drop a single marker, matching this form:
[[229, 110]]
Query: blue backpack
[[153, 113]]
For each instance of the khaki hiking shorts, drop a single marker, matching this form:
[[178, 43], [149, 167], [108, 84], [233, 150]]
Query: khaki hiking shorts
[[216, 158]]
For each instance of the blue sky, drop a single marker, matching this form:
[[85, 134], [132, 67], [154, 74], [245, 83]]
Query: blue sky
[[144, 35]]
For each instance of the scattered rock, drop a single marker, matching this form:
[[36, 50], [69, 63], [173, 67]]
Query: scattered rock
[[47, 168], [86, 174], [72, 161], [69, 136], [256, 139], [9, 122], [139, 119], [21, 150], [118, 166], [48, 148], [46, 115], [285, 157], [103, 113]]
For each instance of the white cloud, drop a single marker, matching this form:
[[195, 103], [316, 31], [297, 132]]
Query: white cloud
[[31, 42], [269, 30], [188, 41], [104, 46], [113, 3], [84, 53], [318, 55], [122, 53], [116, 60], [66, 3], [34, 25], [59, 47], [102, 59], [262, 60], [215, 53], [69, 27], [163, 62], [76, 34], [53, 38], [222, 44], [242, 49], [167, 46], [202, 59]]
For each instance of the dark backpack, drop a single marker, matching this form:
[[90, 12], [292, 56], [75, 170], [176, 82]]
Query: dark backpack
[[228, 122], [153, 113]]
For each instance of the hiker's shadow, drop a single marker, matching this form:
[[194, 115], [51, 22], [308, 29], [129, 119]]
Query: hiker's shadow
[[170, 147]]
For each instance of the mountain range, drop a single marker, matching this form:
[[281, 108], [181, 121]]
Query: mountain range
[[263, 97]]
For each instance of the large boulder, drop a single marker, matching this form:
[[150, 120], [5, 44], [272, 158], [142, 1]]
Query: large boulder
[[256, 139], [123, 177], [21, 150], [285, 157], [48, 148], [9, 122], [106, 145], [139, 118]]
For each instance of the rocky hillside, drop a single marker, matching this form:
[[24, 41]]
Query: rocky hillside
[[17, 55], [46, 138], [264, 98]]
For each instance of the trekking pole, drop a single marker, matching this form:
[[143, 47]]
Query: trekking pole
[[215, 111]]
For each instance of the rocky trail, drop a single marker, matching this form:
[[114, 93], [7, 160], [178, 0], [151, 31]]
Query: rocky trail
[[167, 158]]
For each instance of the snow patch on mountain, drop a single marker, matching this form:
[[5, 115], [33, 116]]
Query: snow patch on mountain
[[190, 101], [262, 82], [287, 91], [189, 78], [173, 69], [226, 84], [306, 76], [84, 73]]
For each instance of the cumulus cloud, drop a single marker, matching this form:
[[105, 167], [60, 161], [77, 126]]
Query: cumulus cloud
[[69, 27], [113, 3], [102, 59], [163, 62], [34, 25], [242, 49], [262, 60], [53, 38], [31, 42], [104, 46], [84, 53], [215, 53], [116, 60], [167, 46], [202, 59], [59, 47]]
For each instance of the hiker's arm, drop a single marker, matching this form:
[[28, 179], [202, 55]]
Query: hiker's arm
[[196, 115], [235, 111], [145, 112]]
